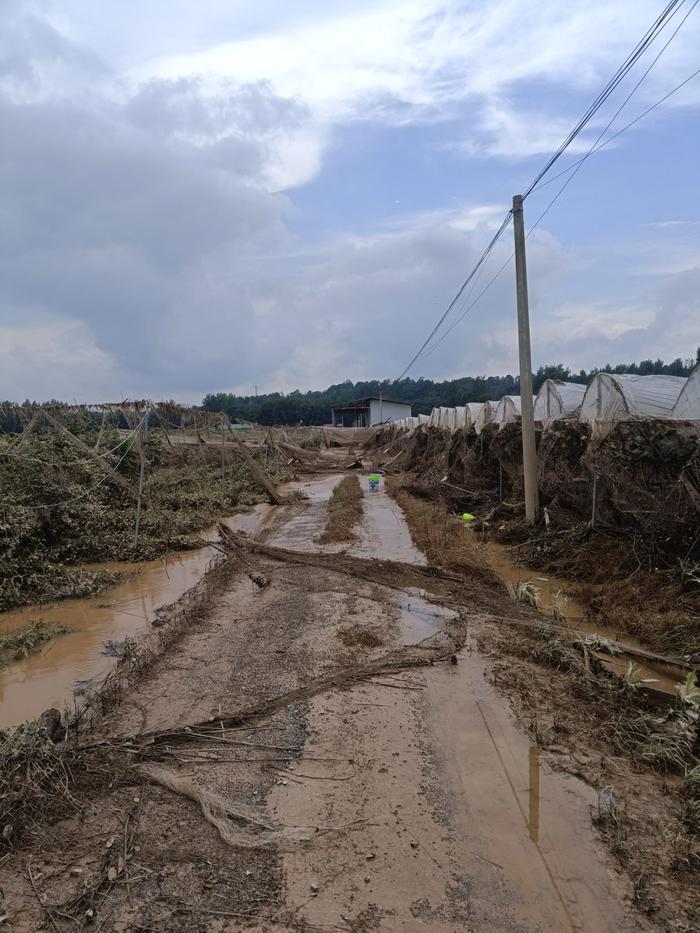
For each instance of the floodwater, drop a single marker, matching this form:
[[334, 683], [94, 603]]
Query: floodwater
[[384, 530], [48, 678], [520, 834], [552, 596], [419, 619]]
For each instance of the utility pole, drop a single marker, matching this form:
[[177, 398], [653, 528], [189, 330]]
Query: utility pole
[[527, 408], [142, 477]]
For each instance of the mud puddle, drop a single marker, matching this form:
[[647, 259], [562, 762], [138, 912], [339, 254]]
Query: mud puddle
[[299, 532], [47, 678], [456, 821], [419, 619], [553, 600], [384, 529]]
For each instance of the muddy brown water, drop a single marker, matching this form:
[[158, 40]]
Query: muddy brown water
[[554, 594], [494, 830], [48, 678]]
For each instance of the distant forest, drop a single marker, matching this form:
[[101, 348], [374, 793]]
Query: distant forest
[[315, 407]]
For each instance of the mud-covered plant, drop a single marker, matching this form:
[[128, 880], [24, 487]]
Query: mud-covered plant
[[689, 572], [526, 592], [552, 650], [35, 781], [611, 819], [632, 677], [688, 692], [559, 606], [23, 643], [659, 744]]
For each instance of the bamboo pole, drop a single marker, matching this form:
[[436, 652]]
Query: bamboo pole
[[257, 472], [142, 477], [89, 452]]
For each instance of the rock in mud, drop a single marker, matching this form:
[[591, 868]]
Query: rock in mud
[[50, 722]]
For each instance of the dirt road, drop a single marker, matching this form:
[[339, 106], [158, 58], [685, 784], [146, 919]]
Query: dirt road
[[349, 788]]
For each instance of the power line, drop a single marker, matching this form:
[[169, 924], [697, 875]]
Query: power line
[[659, 24], [579, 165], [624, 129], [459, 294], [636, 53], [595, 148]]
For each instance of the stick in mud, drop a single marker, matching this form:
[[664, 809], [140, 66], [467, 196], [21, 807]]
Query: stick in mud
[[258, 473]]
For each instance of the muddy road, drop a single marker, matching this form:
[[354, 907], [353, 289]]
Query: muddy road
[[322, 749]]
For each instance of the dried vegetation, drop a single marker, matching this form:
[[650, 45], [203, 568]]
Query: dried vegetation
[[344, 511], [41, 547]]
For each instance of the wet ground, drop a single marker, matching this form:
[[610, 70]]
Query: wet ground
[[398, 799], [554, 601], [49, 677], [465, 829]]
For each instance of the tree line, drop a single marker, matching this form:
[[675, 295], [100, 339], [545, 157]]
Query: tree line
[[314, 407]]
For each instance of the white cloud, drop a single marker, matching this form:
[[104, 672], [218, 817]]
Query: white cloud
[[56, 359]]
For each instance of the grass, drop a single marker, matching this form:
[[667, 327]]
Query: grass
[[434, 531], [344, 511], [644, 739], [22, 644]]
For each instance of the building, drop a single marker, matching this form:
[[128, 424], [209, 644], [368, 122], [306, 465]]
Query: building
[[366, 412]]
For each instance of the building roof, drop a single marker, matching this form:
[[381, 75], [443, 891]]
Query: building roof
[[365, 403]]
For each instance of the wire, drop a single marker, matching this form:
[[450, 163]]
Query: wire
[[579, 165], [459, 294], [624, 129], [662, 20], [659, 24]]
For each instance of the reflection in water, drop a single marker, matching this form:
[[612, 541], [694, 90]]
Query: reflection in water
[[534, 795], [47, 678]]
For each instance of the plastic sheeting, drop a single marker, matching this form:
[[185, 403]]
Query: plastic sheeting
[[687, 407], [473, 408], [611, 398], [557, 399], [448, 419], [508, 410], [461, 418], [485, 416]]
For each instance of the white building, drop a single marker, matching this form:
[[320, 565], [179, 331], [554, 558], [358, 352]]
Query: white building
[[367, 412]]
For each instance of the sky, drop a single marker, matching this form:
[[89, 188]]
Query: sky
[[214, 196]]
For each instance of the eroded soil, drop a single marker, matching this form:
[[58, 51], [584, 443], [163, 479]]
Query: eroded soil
[[366, 773]]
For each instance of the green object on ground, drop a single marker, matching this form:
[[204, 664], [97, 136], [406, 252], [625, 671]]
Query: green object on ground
[[374, 478], [467, 517]]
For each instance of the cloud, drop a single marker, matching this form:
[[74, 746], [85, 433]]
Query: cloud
[[55, 359], [150, 234], [397, 62]]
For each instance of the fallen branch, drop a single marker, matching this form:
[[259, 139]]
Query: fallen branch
[[378, 571]]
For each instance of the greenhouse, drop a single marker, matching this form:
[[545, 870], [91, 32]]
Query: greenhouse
[[687, 407], [447, 419], [558, 399], [611, 398], [473, 409], [485, 416], [508, 410]]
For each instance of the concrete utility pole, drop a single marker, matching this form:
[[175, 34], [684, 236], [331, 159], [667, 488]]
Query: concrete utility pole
[[527, 408]]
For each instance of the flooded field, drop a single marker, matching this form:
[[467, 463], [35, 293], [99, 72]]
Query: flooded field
[[554, 601], [47, 678]]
